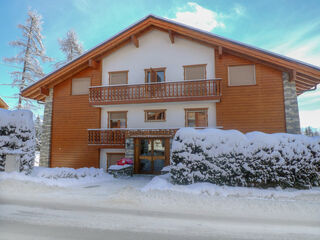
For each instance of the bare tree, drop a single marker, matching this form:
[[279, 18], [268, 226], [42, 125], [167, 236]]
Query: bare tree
[[27, 61], [311, 132], [70, 46]]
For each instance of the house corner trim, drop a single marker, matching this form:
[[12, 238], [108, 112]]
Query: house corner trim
[[45, 148], [291, 105]]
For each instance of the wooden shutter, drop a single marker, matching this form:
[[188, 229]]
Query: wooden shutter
[[80, 86], [116, 78], [242, 75], [201, 119], [195, 72], [153, 75]]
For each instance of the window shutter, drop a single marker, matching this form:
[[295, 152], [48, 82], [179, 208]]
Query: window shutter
[[195, 72], [80, 86], [242, 75], [118, 78]]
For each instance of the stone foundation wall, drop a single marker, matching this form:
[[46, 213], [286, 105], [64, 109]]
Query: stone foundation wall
[[291, 105], [129, 149], [46, 132]]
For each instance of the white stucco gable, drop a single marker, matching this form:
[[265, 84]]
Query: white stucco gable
[[156, 50]]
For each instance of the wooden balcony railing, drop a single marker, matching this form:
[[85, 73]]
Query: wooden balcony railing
[[193, 90], [106, 137], [116, 137]]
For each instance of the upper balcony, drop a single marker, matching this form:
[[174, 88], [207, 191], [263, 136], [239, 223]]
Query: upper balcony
[[191, 90]]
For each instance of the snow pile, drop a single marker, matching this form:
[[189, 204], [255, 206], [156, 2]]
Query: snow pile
[[61, 177], [162, 183], [228, 157], [17, 136], [63, 172]]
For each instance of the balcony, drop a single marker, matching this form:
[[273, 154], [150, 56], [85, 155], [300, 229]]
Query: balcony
[[116, 137], [191, 90], [110, 137]]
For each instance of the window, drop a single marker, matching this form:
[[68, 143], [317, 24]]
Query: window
[[241, 75], [195, 72], [80, 86], [120, 77], [112, 158], [196, 117], [155, 115], [155, 75], [117, 120]]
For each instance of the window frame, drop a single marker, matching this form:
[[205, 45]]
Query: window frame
[[109, 113], [243, 85], [194, 65], [186, 110], [90, 84], [122, 71], [155, 69], [155, 110]]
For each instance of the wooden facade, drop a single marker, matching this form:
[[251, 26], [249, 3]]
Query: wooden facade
[[77, 136], [71, 118], [257, 107]]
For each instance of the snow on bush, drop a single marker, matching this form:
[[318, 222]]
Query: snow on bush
[[256, 159], [17, 135], [63, 172]]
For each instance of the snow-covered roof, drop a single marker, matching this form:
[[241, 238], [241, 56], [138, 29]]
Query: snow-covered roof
[[307, 70]]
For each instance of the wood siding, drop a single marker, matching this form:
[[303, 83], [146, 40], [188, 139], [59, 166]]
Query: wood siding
[[257, 107], [71, 118]]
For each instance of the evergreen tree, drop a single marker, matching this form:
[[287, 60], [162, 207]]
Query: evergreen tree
[[70, 46], [310, 132], [27, 61]]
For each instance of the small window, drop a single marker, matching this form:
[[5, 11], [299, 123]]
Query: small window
[[196, 117], [112, 158], [80, 86], [117, 119], [242, 75], [117, 78], [195, 72], [155, 115], [155, 75]]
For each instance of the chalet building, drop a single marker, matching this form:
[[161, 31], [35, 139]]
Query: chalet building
[[130, 94], [3, 104]]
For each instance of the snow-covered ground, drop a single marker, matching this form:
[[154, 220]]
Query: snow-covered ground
[[91, 204]]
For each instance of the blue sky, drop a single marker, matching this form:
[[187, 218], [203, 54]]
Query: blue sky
[[287, 27]]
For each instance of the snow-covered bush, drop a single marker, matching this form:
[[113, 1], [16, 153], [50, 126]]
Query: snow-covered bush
[[63, 172], [228, 157], [17, 135]]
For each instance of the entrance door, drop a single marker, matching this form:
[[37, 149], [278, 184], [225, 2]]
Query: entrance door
[[151, 155]]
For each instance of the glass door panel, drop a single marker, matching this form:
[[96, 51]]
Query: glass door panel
[[145, 165], [145, 155], [158, 147], [152, 155]]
